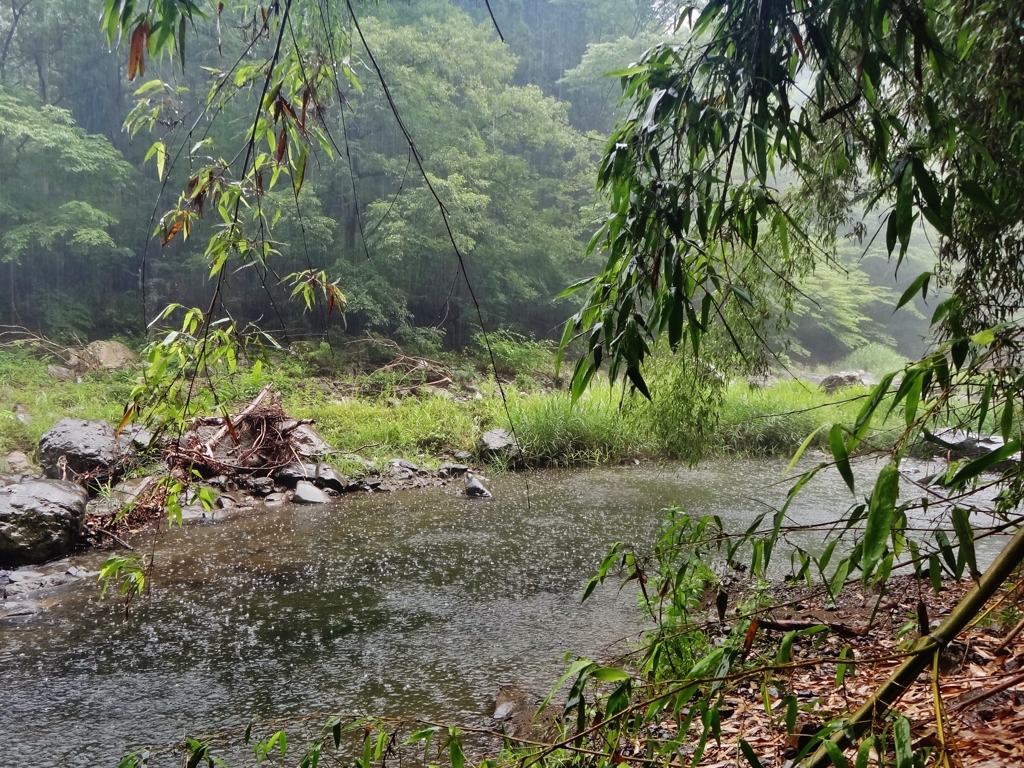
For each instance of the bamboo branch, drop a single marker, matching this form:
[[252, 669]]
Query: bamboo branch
[[890, 691]]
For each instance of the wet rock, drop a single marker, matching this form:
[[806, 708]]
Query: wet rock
[[474, 488], [40, 520], [308, 443], [408, 466], [497, 442], [226, 501], [60, 373], [843, 379], [307, 493], [85, 446], [452, 470], [141, 439], [19, 463], [261, 486], [112, 355], [292, 474], [960, 444], [328, 477], [274, 499]]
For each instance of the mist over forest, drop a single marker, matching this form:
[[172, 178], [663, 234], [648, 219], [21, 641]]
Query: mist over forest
[[509, 135]]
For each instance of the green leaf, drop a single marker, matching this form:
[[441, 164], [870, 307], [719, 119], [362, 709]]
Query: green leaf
[[965, 539], [801, 449], [749, 755], [920, 285], [838, 446], [881, 509], [904, 744]]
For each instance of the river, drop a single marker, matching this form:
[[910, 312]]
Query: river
[[412, 604]]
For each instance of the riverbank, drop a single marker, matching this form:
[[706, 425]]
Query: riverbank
[[370, 419]]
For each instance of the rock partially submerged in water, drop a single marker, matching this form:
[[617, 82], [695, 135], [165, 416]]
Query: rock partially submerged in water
[[307, 493], [74, 447], [40, 520], [474, 488]]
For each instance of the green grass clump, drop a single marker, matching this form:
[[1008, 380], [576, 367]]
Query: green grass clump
[[877, 359], [775, 420], [25, 382], [553, 433]]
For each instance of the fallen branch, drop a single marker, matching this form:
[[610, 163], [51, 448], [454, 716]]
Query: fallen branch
[[789, 625], [212, 442], [119, 540]]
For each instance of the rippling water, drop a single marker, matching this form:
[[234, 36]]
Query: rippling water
[[416, 604]]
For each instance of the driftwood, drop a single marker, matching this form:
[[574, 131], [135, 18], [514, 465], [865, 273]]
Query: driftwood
[[229, 428]]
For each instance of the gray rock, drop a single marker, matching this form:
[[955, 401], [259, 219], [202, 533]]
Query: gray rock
[[21, 414], [60, 373], [843, 379], [462, 455], [19, 463], [497, 442], [307, 493], [261, 486], [293, 473], [308, 443], [474, 488], [407, 465], [328, 477], [111, 355], [452, 470], [86, 446], [40, 520], [274, 500]]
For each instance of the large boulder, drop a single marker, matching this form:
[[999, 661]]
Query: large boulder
[[497, 442], [80, 446], [112, 355], [843, 379], [40, 520]]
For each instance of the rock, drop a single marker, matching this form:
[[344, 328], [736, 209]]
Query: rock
[[141, 438], [19, 463], [960, 444], [274, 500], [452, 470], [112, 355], [462, 455], [60, 373], [760, 381], [474, 488], [407, 465], [843, 379], [293, 473], [307, 493], [21, 414], [497, 442], [86, 446], [40, 520], [328, 477], [308, 443], [261, 486]]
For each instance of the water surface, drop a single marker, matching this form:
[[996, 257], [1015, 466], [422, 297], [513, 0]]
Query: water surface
[[413, 604]]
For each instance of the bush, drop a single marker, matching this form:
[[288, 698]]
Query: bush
[[876, 359], [515, 354]]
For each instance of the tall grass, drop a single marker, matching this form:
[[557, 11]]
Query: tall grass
[[603, 427]]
